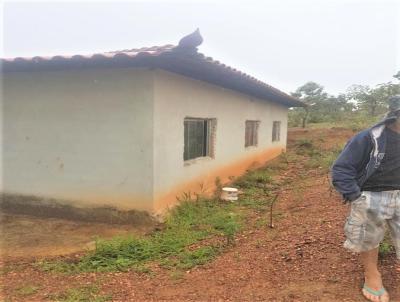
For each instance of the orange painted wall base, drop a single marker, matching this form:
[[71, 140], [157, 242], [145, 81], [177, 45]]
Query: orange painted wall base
[[206, 183]]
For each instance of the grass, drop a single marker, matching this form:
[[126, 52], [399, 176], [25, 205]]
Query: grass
[[27, 290], [317, 157], [8, 267], [87, 293], [322, 160], [195, 232], [355, 122], [187, 224], [189, 259], [177, 275], [252, 178], [386, 247]]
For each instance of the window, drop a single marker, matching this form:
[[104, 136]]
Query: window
[[198, 138], [276, 131], [251, 133]]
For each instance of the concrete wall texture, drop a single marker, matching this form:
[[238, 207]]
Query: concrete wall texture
[[81, 136], [178, 97], [115, 136]]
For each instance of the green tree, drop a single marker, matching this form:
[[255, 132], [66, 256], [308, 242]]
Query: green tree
[[335, 108], [373, 100], [363, 96], [360, 102], [311, 94]]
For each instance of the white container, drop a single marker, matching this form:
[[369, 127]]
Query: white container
[[229, 194]]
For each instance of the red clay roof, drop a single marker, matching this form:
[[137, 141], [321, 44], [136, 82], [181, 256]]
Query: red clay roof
[[187, 62]]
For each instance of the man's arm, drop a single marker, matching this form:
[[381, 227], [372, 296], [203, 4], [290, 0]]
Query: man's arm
[[349, 164]]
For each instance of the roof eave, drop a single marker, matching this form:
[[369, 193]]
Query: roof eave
[[191, 64]]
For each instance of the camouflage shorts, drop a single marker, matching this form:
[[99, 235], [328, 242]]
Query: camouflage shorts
[[370, 213]]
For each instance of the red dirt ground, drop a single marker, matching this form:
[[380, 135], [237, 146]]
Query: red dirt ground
[[301, 259]]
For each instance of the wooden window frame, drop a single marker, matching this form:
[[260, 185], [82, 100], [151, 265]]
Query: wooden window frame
[[251, 133], [276, 131], [209, 130]]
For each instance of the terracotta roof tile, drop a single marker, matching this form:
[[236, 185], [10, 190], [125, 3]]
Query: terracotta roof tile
[[172, 58]]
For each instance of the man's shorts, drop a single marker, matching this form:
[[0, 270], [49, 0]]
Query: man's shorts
[[370, 213]]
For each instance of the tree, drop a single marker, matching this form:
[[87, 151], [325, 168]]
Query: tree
[[311, 94], [363, 96], [335, 108], [374, 100], [358, 101]]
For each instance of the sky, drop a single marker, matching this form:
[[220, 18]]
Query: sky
[[284, 43]]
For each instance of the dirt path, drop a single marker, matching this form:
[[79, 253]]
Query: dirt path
[[301, 259]]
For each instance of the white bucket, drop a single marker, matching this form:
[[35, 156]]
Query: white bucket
[[229, 194]]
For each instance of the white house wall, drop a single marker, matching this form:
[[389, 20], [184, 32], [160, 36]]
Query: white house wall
[[177, 97], [83, 136]]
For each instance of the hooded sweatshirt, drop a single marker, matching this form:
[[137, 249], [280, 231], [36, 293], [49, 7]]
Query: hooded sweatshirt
[[360, 158]]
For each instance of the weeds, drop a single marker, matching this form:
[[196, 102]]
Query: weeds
[[385, 248], [88, 293], [252, 178], [176, 275], [189, 259], [187, 224], [317, 157], [27, 290]]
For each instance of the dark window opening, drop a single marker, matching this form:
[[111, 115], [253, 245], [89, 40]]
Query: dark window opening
[[197, 138], [251, 133], [276, 131]]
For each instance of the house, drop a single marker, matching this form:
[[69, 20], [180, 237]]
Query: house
[[132, 129]]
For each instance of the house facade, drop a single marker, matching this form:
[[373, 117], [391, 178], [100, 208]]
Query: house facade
[[134, 129]]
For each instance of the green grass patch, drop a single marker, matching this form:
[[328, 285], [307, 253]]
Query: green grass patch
[[316, 156], [254, 178], [386, 247], [258, 186], [355, 122], [187, 224], [27, 290], [189, 259], [88, 293], [322, 160]]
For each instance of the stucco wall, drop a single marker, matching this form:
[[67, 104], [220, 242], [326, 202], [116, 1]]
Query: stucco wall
[[115, 136], [83, 135], [177, 97]]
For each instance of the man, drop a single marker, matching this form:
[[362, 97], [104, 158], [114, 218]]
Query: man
[[367, 174]]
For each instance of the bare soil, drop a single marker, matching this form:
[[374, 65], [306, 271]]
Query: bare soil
[[26, 236], [301, 259]]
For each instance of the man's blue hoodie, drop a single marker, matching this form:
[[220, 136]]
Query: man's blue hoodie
[[358, 161]]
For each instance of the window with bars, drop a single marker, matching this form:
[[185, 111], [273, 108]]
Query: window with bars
[[197, 138], [276, 131], [251, 133]]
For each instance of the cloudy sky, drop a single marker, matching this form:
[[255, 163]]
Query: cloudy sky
[[284, 43]]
